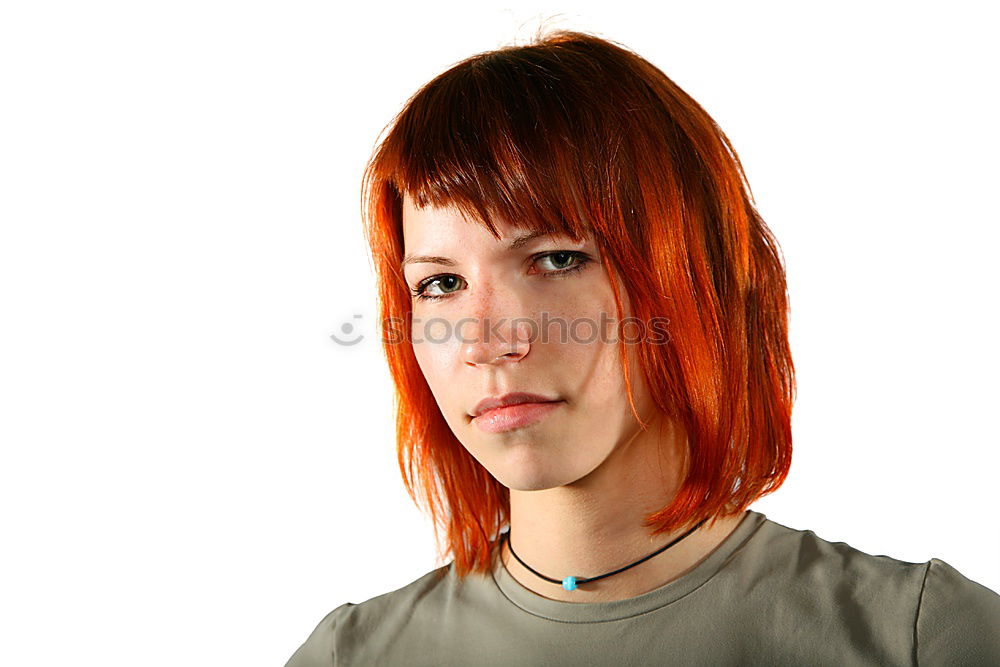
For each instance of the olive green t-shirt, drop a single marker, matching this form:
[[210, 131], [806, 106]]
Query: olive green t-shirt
[[767, 595]]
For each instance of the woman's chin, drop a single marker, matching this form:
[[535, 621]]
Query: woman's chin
[[527, 477]]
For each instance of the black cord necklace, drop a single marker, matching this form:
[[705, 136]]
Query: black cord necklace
[[570, 583]]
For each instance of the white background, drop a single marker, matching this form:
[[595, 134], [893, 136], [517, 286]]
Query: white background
[[193, 473]]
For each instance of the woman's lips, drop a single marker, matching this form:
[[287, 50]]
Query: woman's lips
[[511, 417]]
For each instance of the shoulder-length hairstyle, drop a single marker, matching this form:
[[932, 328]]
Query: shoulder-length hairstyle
[[579, 135]]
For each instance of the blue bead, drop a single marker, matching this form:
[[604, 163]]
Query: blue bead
[[569, 583]]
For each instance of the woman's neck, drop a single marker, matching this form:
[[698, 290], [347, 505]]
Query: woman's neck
[[595, 526], [661, 569]]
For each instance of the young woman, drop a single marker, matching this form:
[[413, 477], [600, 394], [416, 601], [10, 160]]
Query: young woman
[[586, 321]]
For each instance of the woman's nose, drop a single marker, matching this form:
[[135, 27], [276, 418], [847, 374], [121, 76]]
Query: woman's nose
[[490, 335], [492, 343]]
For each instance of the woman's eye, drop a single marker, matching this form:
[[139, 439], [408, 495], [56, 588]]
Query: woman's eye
[[559, 258], [446, 284], [563, 262]]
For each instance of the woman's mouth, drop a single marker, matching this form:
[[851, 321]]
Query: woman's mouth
[[516, 416]]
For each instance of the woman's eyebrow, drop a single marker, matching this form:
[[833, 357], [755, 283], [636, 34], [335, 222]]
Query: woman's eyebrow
[[521, 240], [518, 242], [427, 259]]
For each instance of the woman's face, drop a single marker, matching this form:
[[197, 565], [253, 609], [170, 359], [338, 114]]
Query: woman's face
[[469, 346]]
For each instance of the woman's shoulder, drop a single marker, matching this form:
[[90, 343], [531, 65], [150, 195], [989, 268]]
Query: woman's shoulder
[[369, 619], [958, 620], [797, 555], [949, 616], [804, 555], [319, 648]]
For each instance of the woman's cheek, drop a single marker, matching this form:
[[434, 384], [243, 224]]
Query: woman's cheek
[[435, 355]]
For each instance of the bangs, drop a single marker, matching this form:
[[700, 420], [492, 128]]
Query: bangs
[[502, 139]]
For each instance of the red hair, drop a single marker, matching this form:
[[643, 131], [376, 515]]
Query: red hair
[[576, 134]]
